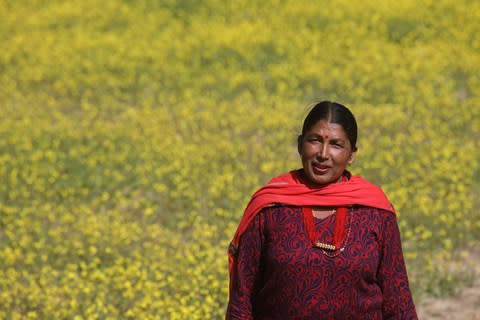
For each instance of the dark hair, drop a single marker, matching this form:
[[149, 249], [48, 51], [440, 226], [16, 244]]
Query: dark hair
[[333, 112]]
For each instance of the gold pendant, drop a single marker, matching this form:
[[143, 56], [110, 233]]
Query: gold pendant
[[325, 246]]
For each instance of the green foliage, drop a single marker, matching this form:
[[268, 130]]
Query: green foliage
[[132, 134]]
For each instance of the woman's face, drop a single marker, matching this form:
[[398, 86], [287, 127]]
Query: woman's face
[[326, 152]]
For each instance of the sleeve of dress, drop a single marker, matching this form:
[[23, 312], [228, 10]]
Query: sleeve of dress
[[392, 274], [245, 272]]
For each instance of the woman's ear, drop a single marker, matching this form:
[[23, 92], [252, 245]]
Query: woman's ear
[[352, 157], [299, 144]]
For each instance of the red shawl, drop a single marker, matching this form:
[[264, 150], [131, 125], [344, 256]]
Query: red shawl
[[291, 189]]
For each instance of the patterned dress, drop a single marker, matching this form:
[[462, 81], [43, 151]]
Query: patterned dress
[[279, 274]]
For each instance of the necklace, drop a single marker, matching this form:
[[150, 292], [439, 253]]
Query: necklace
[[339, 238]]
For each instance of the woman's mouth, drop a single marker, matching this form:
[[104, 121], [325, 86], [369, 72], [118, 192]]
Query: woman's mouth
[[320, 169]]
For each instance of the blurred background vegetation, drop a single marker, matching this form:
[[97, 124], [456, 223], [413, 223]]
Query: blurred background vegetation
[[132, 134]]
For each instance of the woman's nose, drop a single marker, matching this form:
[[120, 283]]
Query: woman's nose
[[323, 152]]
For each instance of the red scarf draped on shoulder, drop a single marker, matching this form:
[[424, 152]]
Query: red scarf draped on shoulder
[[290, 189]]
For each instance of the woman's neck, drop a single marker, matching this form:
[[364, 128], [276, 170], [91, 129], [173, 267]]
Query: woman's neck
[[322, 212]]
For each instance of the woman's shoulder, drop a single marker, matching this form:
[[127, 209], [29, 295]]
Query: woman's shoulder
[[373, 214], [276, 208], [279, 211]]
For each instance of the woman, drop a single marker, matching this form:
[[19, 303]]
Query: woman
[[319, 243]]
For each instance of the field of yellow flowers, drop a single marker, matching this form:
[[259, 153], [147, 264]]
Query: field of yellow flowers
[[132, 134]]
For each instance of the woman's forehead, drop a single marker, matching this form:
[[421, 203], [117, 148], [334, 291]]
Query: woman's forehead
[[325, 127]]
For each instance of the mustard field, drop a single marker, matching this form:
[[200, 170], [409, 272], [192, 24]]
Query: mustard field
[[132, 134]]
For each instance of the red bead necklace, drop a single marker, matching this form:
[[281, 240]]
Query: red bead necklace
[[340, 237]]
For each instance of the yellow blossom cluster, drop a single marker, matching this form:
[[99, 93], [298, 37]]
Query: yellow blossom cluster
[[132, 134]]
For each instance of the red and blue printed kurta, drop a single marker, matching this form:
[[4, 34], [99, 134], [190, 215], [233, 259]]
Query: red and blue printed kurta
[[279, 275]]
